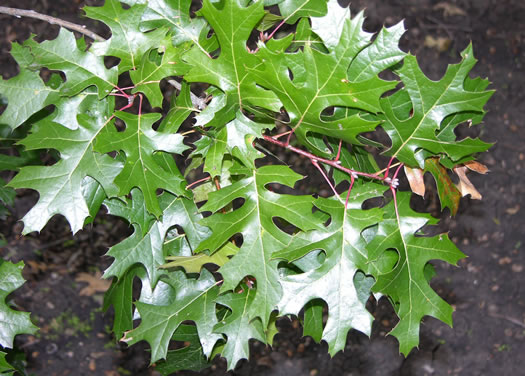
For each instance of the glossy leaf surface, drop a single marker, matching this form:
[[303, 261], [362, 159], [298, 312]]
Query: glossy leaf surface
[[196, 124]]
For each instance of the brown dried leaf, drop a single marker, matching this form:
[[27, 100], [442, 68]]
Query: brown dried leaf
[[95, 283], [449, 9], [477, 167], [416, 181], [513, 210], [440, 43], [37, 267], [465, 186]]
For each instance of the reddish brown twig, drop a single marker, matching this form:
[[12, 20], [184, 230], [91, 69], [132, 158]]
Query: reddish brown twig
[[316, 164], [334, 163], [198, 181]]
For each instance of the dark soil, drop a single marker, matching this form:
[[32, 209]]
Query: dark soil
[[487, 290]]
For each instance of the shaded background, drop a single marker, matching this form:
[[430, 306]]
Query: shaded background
[[487, 290]]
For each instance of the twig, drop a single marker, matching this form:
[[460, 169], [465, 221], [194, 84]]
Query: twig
[[316, 164], [195, 100], [335, 164], [277, 28], [444, 26], [387, 168], [508, 318], [352, 181], [52, 20], [217, 183], [198, 181]]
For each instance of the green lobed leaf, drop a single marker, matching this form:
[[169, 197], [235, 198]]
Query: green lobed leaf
[[333, 280], [61, 185], [26, 94], [261, 237], [195, 300], [127, 41], [12, 322], [324, 84], [405, 282], [148, 249], [139, 142], [149, 73], [433, 101], [81, 68], [239, 327]]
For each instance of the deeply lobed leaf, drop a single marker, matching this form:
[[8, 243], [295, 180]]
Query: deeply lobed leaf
[[405, 283], [272, 254]]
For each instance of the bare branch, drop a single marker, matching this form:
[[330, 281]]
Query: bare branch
[[52, 20]]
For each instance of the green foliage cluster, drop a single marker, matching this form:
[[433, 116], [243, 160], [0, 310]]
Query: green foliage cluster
[[219, 262]]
